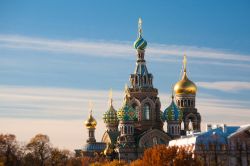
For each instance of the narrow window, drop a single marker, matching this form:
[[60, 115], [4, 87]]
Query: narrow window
[[146, 111]]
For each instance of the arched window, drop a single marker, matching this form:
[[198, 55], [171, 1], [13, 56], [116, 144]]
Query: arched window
[[179, 103], [189, 103], [172, 128], [125, 129], [146, 110]]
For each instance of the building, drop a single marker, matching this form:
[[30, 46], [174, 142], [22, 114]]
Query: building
[[138, 124], [219, 145]]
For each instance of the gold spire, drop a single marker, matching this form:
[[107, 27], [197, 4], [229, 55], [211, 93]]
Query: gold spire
[[185, 86], [185, 63], [140, 27]]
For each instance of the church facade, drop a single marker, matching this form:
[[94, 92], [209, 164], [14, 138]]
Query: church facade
[[138, 124]]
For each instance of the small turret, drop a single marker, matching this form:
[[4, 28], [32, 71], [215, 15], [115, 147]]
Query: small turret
[[90, 124], [173, 115], [110, 116]]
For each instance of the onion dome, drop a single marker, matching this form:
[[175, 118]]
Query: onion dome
[[126, 113], [140, 43], [185, 86], [110, 116], [173, 113], [90, 122]]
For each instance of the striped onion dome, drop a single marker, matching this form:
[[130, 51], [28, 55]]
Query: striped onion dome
[[140, 43]]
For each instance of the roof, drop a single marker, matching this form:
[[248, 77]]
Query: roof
[[243, 128], [113, 136], [219, 135], [94, 147]]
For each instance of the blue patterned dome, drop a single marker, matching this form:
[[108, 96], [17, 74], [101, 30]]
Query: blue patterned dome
[[173, 113], [127, 113], [140, 43], [110, 116]]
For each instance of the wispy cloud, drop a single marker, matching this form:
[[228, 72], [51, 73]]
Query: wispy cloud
[[227, 86], [60, 112], [115, 48], [66, 103]]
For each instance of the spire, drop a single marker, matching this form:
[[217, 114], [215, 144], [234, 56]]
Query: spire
[[125, 100], [185, 63], [172, 93], [183, 74], [140, 43], [90, 107], [111, 97], [139, 27]]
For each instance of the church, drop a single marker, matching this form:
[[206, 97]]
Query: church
[[138, 124]]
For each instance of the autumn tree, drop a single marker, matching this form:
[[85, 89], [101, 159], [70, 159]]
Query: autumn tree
[[39, 149], [9, 150], [59, 157], [166, 156]]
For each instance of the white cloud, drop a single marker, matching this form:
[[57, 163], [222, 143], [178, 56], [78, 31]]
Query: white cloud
[[228, 86], [60, 112], [160, 52]]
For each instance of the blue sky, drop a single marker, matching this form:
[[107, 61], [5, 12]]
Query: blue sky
[[57, 55]]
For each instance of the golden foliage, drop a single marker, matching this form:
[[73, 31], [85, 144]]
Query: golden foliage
[[162, 155]]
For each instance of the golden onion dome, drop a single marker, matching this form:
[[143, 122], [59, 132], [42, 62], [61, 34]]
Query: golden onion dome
[[90, 122], [185, 86]]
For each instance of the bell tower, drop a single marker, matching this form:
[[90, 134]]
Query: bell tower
[[141, 94], [185, 93]]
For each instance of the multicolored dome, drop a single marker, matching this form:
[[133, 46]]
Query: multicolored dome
[[140, 43], [90, 122], [110, 116], [127, 113], [173, 113]]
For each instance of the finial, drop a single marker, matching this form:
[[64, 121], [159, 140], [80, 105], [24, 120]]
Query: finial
[[185, 63], [90, 107], [172, 93], [139, 27], [111, 96]]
